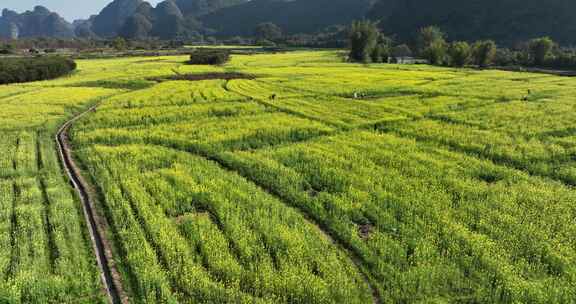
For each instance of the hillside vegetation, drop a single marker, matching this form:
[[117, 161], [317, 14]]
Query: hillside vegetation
[[508, 22], [505, 21], [299, 16], [386, 182]]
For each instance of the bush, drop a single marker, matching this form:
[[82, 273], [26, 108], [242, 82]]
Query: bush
[[266, 43], [17, 70], [212, 57], [506, 57]]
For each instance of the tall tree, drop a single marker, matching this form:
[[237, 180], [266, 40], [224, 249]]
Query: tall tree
[[382, 50], [119, 44], [436, 52], [540, 49], [459, 53], [427, 37], [363, 37], [268, 31], [484, 52]]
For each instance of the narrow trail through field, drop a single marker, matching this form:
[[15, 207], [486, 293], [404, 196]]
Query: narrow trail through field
[[102, 248]]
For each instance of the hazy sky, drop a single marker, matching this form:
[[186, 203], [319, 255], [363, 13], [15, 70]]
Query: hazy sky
[[69, 9]]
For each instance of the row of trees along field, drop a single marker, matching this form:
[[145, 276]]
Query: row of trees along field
[[265, 34], [368, 44], [16, 70]]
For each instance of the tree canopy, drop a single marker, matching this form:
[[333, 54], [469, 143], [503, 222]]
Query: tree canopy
[[16, 70]]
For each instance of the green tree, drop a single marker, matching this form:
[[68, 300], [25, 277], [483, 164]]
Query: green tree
[[431, 44], [484, 52], [268, 31], [119, 44], [402, 50], [428, 36], [380, 53], [459, 53], [436, 52], [382, 50], [6, 49], [540, 49], [363, 38]]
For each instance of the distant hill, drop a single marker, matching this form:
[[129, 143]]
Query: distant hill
[[168, 20], [203, 7], [296, 16], [182, 18], [108, 22], [506, 21], [39, 22]]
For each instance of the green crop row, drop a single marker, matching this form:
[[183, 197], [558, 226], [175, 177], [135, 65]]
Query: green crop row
[[318, 181], [45, 250], [428, 223], [439, 210], [250, 247]]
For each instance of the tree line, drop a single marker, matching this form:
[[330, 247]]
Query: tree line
[[17, 70], [367, 44]]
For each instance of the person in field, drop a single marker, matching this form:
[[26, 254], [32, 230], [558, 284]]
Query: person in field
[[525, 98]]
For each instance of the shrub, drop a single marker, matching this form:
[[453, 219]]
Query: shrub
[[264, 42], [212, 57], [16, 70]]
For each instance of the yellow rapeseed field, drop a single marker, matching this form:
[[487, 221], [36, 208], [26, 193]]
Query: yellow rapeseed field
[[318, 181]]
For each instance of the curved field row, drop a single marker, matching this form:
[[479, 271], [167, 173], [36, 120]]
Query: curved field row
[[45, 253], [429, 185], [390, 198], [269, 267], [422, 220], [256, 247]]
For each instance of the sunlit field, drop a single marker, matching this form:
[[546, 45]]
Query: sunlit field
[[355, 184]]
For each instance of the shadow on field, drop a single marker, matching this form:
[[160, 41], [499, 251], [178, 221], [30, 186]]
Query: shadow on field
[[203, 76]]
